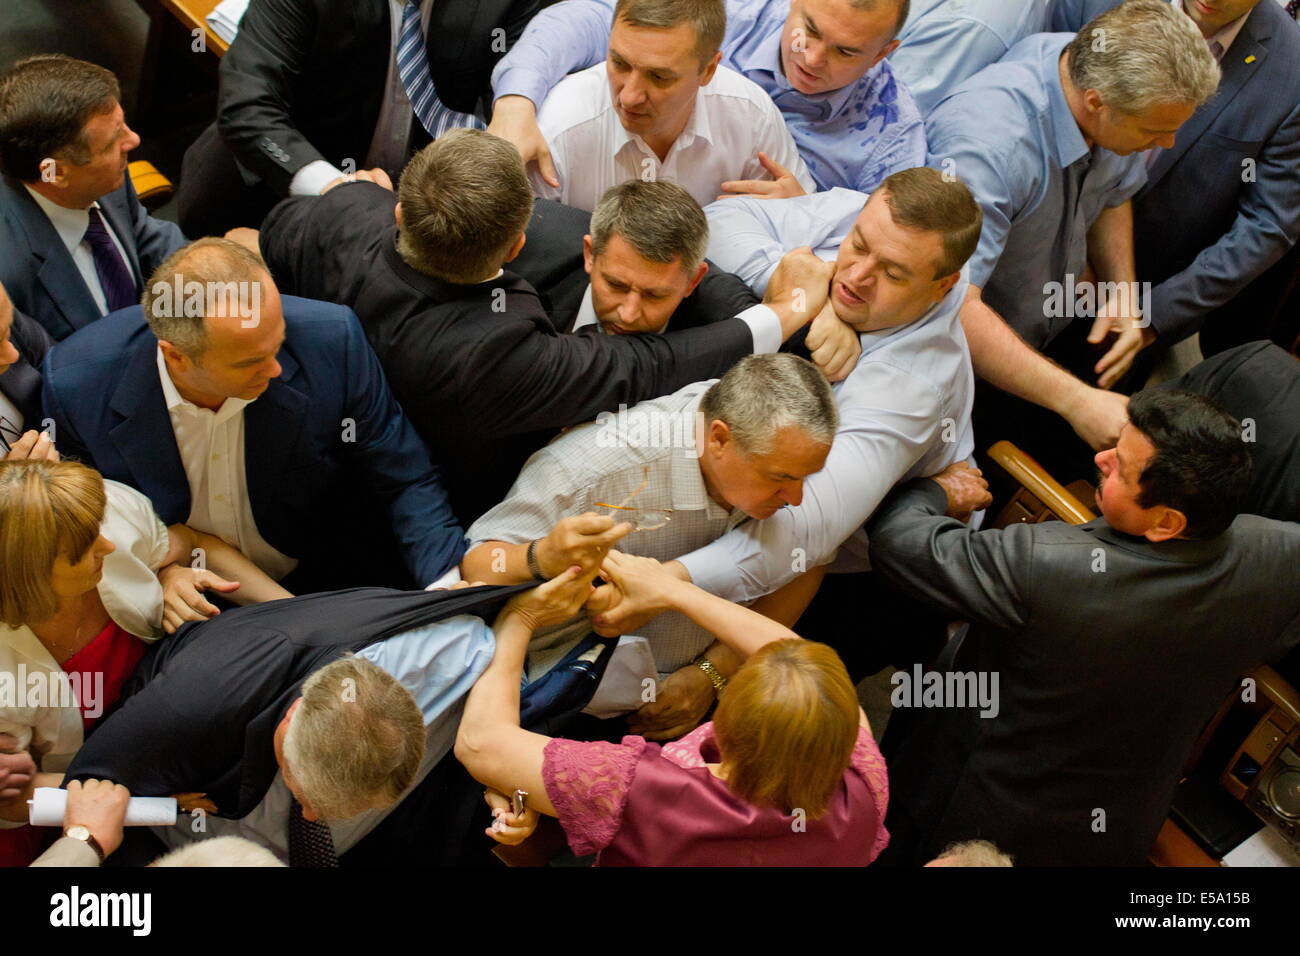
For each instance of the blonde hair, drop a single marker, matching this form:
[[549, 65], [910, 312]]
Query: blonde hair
[[786, 725], [47, 509], [356, 739]]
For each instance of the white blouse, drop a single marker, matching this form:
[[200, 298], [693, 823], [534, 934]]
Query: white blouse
[[52, 730]]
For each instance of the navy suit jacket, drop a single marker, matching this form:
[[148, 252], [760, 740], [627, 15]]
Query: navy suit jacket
[[1223, 205], [38, 272], [329, 416], [1069, 16], [21, 383]]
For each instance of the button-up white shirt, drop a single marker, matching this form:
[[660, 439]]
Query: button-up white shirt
[[211, 446], [732, 120], [71, 224]]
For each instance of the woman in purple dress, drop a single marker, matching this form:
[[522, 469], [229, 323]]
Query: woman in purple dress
[[786, 774]]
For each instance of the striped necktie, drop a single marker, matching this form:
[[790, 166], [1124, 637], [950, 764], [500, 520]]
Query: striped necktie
[[413, 66], [1292, 8]]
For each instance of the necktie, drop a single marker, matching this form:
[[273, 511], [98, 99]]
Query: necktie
[[1293, 7], [114, 276], [413, 66], [310, 843]]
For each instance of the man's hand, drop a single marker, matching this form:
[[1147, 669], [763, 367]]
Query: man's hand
[[34, 445], [637, 592], [506, 827], [514, 118], [679, 706], [800, 286], [580, 539], [1113, 319], [16, 768], [376, 176], [966, 489], [555, 601], [1097, 416], [248, 238], [834, 344], [100, 807], [782, 185], [183, 595], [189, 802]]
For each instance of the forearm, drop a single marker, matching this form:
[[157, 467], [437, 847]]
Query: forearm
[[569, 36], [255, 585], [492, 707], [496, 562], [742, 630], [1110, 244]]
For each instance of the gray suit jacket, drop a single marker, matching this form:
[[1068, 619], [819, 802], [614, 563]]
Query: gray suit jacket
[[1110, 653], [66, 851]]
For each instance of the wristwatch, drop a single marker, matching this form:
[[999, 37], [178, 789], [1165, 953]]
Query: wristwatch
[[712, 673], [82, 833], [534, 568]]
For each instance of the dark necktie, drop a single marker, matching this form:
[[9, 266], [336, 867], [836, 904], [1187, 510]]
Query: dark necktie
[[114, 276], [413, 67], [1292, 8], [310, 842]]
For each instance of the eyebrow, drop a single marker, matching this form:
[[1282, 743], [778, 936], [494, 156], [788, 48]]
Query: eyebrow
[[862, 240], [666, 71], [261, 358], [615, 280]]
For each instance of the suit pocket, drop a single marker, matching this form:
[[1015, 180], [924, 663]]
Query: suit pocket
[[1228, 144]]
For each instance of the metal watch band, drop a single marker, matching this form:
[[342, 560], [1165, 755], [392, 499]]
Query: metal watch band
[[533, 567]]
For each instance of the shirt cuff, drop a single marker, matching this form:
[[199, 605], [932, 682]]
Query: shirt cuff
[[313, 177], [447, 580], [517, 82], [764, 326]]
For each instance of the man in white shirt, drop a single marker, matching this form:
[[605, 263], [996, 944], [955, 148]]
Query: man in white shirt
[[660, 107]]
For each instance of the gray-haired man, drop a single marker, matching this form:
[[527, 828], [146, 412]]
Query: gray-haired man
[[684, 470]]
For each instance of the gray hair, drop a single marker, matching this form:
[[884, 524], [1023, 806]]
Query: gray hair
[[762, 394], [220, 851], [357, 738], [974, 853], [218, 266], [1141, 54], [660, 220]]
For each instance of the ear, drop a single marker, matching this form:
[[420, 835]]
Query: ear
[[397, 215], [588, 257], [1171, 524], [718, 436], [889, 48], [1092, 100], [699, 276], [945, 285], [706, 75], [517, 248], [174, 357]]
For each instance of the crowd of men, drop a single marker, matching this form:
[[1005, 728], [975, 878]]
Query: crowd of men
[[468, 292]]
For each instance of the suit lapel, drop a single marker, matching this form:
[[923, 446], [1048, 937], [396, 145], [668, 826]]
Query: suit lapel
[[144, 436], [114, 208], [272, 426]]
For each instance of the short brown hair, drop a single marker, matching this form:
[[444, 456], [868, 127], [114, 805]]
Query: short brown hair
[[786, 725], [47, 509], [465, 200], [903, 7], [708, 18], [659, 219], [45, 103], [923, 198]]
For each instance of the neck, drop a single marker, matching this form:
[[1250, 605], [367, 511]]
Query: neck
[[58, 196], [662, 143], [1074, 99], [212, 403]]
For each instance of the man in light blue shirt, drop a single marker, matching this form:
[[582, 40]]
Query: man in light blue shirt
[[1048, 141], [947, 41], [821, 61]]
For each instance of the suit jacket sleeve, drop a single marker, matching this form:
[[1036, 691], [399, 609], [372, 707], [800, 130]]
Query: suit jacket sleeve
[[272, 46], [980, 576], [155, 239], [397, 466], [69, 444], [30, 338], [66, 851]]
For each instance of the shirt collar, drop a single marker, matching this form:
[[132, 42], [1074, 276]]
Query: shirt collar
[[697, 126], [70, 224], [1069, 142], [229, 408], [587, 313], [765, 57], [1226, 33]]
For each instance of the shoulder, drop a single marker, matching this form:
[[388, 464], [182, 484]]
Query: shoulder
[[576, 101], [99, 349], [315, 325]]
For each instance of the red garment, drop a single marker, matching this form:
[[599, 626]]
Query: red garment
[[640, 805], [103, 666]]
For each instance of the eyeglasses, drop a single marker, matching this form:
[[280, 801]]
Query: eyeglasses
[[9, 433], [641, 519]]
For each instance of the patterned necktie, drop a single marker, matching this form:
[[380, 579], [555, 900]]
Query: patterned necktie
[[413, 66], [114, 276], [310, 842], [1292, 8]]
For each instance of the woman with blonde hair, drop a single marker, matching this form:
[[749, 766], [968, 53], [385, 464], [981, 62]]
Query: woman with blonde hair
[[80, 599], [786, 774]]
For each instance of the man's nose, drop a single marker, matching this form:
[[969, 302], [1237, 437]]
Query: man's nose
[[8, 355], [629, 309], [633, 92], [792, 494], [814, 54], [130, 141], [276, 369]]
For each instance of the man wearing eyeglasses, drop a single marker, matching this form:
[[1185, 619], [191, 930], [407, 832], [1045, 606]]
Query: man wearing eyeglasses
[[23, 344]]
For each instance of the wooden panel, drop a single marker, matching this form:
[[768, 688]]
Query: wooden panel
[[191, 13]]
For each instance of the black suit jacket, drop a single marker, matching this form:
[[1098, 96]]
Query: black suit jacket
[[200, 712], [482, 372], [304, 79], [21, 384], [1110, 653]]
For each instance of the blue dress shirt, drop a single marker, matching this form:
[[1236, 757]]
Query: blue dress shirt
[[1008, 133], [852, 137]]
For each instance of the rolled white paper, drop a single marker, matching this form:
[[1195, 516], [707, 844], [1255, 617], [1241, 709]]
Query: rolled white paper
[[48, 805]]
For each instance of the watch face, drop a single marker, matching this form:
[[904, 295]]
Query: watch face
[[77, 832]]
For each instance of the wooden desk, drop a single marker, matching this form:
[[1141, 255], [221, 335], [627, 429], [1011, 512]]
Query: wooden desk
[[190, 14]]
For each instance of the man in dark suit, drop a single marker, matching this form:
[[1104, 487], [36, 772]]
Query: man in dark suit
[[254, 714], [23, 345], [476, 362], [77, 242], [314, 89], [264, 420], [1057, 726]]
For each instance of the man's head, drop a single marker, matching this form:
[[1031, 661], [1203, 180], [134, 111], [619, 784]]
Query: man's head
[[217, 315], [905, 250], [352, 742], [829, 44], [1212, 17], [8, 353], [1181, 468], [768, 424], [660, 53], [464, 202], [1138, 73], [62, 130], [644, 255]]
